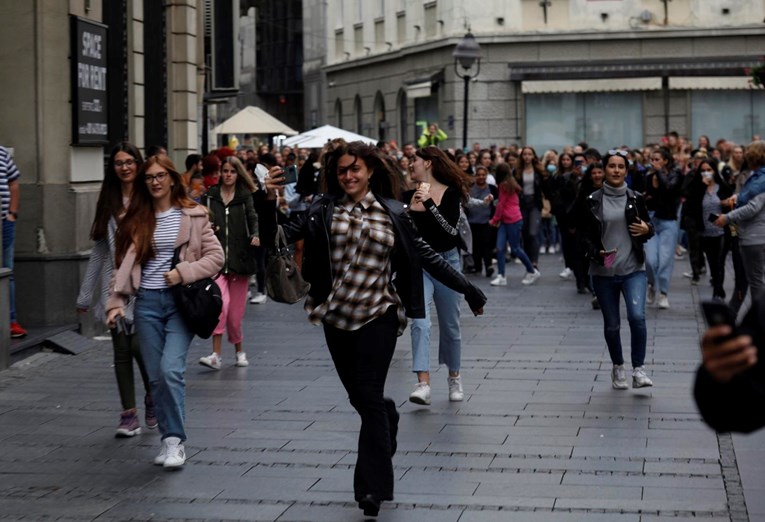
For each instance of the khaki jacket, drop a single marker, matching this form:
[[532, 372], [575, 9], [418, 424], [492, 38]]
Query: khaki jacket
[[201, 256]]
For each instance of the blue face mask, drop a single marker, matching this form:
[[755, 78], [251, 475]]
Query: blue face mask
[[551, 168]]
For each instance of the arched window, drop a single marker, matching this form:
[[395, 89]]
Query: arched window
[[339, 113], [402, 118], [379, 115], [357, 113]]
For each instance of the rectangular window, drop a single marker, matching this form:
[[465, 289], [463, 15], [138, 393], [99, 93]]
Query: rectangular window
[[381, 12], [380, 35], [557, 120], [401, 27], [358, 39], [733, 115], [339, 44], [431, 25]]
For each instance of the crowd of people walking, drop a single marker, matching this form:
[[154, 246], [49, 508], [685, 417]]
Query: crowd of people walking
[[385, 236]]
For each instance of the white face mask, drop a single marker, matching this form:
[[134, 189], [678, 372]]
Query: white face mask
[[707, 175]]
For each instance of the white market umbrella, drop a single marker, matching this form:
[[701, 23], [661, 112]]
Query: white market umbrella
[[253, 120], [317, 138]]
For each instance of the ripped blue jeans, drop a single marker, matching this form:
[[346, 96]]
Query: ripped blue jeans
[[633, 286]]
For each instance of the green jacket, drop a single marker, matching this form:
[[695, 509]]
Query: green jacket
[[427, 139], [235, 225]]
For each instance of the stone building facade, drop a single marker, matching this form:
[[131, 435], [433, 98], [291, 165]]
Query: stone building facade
[[609, 72], [154, 74]]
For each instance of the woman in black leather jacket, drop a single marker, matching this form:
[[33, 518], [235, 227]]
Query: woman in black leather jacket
[[615, 228], [364, 260]]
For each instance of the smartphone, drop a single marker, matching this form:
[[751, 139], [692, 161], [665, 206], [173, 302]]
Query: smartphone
[[290, 175], [718, 313], [713, 217], [121, 325]]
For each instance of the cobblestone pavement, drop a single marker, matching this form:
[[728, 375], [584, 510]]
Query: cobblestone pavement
[[541, 435]]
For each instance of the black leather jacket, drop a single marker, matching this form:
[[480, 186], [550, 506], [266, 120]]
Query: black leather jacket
[[410, 255], [592, 233]]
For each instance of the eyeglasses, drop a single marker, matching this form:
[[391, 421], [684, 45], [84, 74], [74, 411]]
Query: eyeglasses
[[126, 163], [614, 152], [159, 176]]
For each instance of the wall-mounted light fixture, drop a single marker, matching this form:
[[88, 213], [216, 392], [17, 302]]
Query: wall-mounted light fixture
[[544, 4]]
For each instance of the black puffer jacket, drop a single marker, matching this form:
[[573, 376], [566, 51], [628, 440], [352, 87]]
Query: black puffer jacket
[[235, 225], [410, 255]]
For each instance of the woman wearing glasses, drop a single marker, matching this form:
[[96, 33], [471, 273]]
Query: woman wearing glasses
[[616, 227], [662, 197], [160, 219], [124, 162]]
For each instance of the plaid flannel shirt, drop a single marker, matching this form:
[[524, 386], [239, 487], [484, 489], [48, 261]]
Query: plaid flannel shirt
[[362, 241]]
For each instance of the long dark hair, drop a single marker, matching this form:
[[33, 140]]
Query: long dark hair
[[446, 171], [110, 198], [306, 181], [383, 180], [140, 220], [535, 164]]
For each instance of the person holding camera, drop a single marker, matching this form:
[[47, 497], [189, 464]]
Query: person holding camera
[[364, 260], [616, 225]]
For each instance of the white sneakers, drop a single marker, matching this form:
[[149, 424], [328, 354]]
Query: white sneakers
[[421, 394], [455, 389], [499, 280], [651, 295], [241, 359], [639, 378], [259, 299], [172, 454], [531, 277], [663, 302], [213, 361], [566, 273], [619, 377]]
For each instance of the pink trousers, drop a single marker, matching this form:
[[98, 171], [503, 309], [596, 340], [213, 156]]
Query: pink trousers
[[233, 288]]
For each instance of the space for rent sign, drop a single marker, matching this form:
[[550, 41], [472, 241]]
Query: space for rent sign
[[89, 74]]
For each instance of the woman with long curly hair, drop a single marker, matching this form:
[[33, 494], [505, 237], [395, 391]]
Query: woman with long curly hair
[[161, 220], [435, 209], [365, 269]]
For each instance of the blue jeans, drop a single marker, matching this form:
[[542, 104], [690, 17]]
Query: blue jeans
[[633, 287], [164, 340], [447, 303], [660, 253], [511, 233], [9, 239]]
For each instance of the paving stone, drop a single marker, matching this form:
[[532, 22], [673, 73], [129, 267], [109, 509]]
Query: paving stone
[[541, 435]]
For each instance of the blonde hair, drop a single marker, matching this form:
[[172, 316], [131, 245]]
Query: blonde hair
[[755, 154]]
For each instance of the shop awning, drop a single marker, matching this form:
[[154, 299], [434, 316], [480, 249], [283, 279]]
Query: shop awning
[[644, 68], [599, 85], [419, 90], [709, 83]]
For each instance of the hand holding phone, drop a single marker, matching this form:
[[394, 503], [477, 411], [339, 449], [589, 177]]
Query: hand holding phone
[[713, 217], [609, 258], [290, 175]]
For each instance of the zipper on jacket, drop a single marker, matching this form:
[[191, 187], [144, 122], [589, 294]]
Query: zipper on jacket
[[225, 264]]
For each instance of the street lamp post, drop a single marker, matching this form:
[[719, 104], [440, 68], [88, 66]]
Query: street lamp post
[[466, 53]]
